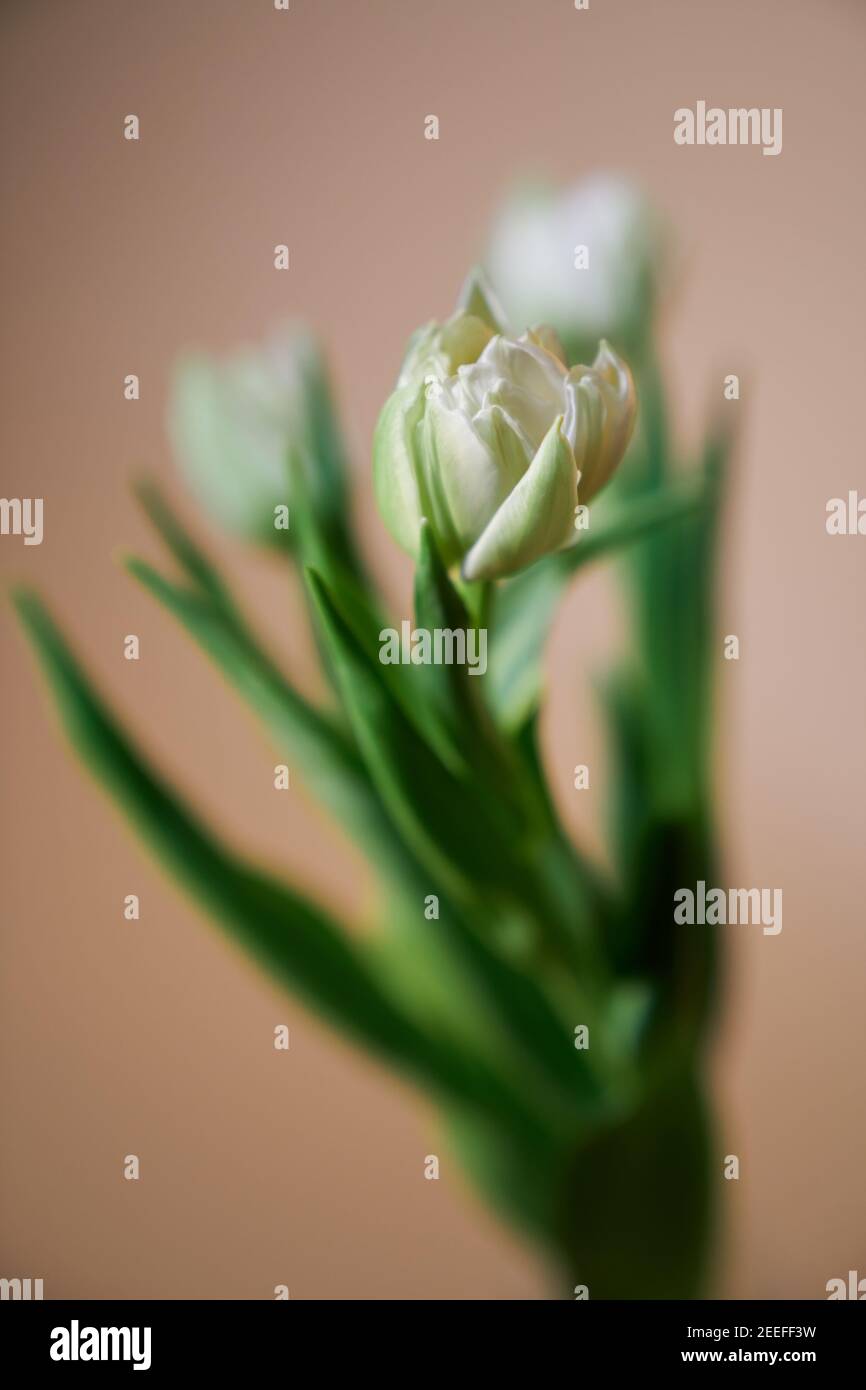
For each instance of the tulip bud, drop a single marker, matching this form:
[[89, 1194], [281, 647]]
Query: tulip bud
[[493, 439], [242, 426], [538, 240]]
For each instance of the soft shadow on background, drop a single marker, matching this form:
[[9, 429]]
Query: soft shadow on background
[[260, 127]]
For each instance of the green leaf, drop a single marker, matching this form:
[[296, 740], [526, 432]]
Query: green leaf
[[518, 999], [333, 770], [465, 838], [319, 750], [525, 608], [454, 698], [647, 466], [188, 554], [446, 820], [526, 605], [327, 469], [448, 686], [627, 523], [657, 851], [671, 588], [630, 792], [296, 942], [422, 961], [330, 550], [521, 1185]]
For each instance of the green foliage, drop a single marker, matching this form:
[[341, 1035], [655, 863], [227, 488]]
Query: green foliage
[[600, 1153], [636, 1206]]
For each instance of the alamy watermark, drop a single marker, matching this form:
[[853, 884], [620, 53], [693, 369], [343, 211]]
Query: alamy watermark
[[22, 516], [23, 1289], [715, 125], [76, 1343], [854, 1287], [729, 906], [438, 646]]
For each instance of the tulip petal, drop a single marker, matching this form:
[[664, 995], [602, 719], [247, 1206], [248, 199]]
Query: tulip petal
[[535, 519], [464, 482], [600, 417], [543, 336], [230, 452], [394, 478], [527, 364], [477, 298], [461, 341]]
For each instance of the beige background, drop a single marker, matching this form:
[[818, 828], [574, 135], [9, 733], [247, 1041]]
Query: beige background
[[260, 127]]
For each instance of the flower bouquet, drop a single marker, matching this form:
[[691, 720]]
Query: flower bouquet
[[550, 1006]]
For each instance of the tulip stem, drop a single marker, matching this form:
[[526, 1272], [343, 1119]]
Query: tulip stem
[[478, 597]]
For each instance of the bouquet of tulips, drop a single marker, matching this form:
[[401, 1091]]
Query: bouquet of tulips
[[549, 1005]]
